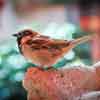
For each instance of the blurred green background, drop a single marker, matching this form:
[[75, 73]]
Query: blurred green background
[[59, 21]]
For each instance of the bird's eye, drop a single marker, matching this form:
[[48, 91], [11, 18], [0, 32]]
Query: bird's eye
[[26, 33]]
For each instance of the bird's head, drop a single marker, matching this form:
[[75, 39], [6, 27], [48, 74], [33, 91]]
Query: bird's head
[[25, 35]]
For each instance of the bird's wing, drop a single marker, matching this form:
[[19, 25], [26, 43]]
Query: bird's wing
[[46, 42], [39, 42], [58, 44]]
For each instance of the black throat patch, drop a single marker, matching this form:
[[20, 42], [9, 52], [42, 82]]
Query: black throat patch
[[19, 45]]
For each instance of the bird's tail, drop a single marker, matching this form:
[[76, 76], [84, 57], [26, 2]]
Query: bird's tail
[[81, 40]]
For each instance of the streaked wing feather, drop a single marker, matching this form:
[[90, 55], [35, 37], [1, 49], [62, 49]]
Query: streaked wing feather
[[46, 42]]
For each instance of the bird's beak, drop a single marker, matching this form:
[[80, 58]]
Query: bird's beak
[[15, 35]]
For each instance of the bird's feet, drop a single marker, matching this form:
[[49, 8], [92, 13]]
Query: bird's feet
[[51, 68], [40, 68]]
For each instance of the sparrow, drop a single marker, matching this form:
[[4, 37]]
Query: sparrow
[[43, 50]]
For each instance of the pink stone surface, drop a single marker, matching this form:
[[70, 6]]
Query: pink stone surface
[[63, 84]]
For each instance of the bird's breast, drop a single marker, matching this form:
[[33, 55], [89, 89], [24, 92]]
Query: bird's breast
[[41, 56]]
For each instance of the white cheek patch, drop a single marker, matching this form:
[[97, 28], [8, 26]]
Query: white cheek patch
[[25, 39]]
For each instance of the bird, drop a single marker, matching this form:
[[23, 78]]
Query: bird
[[42, 50]]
